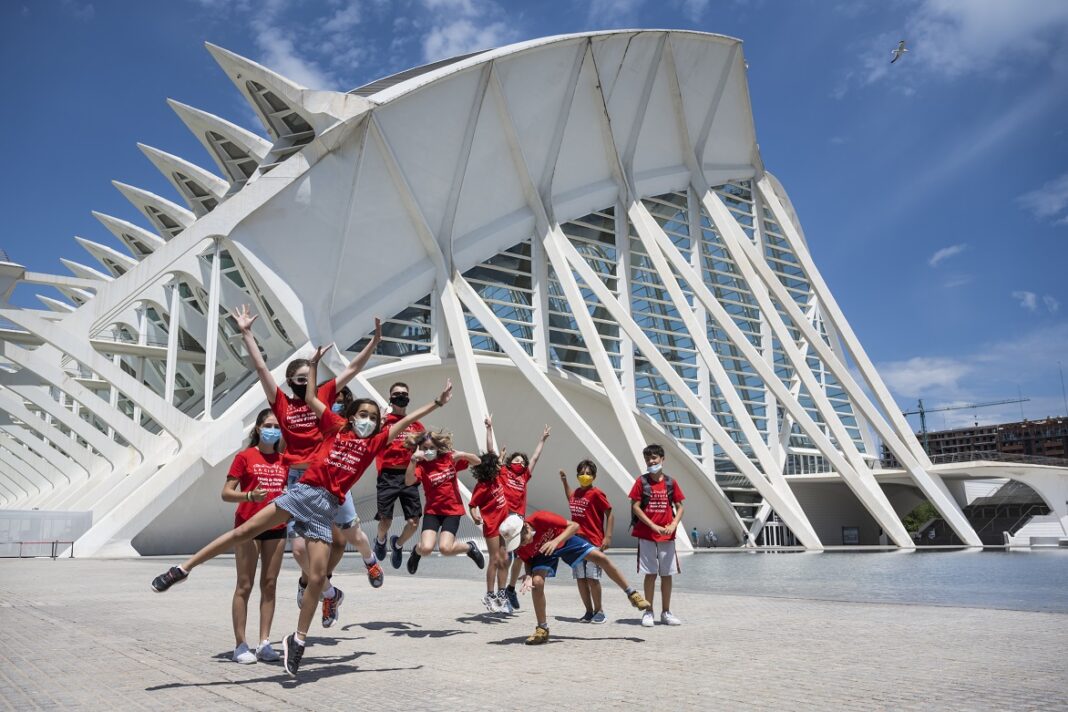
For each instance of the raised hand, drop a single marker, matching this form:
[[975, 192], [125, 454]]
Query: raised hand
[[545, 433], [488, 421], [319, 353], [378, 330], [446, 394], [244, 317]]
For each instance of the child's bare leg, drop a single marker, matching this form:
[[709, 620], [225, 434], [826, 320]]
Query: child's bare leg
[[665, 592], [448, 546], [502, 566], [650, 587], [318, 558], [537, 592], [517, 566], [245, 559], [267, 518], [355, 536], [595, 594], [602, 560], [493, 546], [271, 562], [337, 549], [584, 593], [427, 542]]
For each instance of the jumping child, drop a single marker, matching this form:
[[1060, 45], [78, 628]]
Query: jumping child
[[540, 542], [488, 508], [392, 464], [434, 464], [589, 506], [516, 471], [256, 477], [351, 442]]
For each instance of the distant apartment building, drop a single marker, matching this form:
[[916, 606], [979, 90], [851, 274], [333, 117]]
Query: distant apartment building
[[1028, 438]]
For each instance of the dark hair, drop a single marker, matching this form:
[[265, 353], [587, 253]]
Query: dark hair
[[352, 407], [254, 438], [398, 383], [512, 455], [346, 395], [653, 449], [488, 468], [295, 365], [584, 465]]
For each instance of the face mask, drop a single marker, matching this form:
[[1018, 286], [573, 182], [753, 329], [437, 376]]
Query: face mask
[[653, 469], [400, 400], [338, 408], [517, 467], [270, 435], [585, 480], [299, 390], [430, 454], [363, 427]]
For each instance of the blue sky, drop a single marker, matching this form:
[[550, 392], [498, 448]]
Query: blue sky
[[933, 193]]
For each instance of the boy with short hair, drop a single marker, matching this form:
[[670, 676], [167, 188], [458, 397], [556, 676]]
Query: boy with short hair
[[540, 542], [589, 507], [656, 508]]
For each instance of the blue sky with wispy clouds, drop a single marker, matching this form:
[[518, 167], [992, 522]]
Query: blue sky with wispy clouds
[[933, 193]]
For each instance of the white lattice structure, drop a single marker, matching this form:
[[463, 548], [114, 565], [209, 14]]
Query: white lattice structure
[[578, 229]]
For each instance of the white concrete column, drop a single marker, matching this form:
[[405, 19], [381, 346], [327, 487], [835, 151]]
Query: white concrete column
[[211, 339], [139, 363], [172, 342]]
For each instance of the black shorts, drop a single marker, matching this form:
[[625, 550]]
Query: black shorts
[[441, 523], [391, 488], [271, 534]]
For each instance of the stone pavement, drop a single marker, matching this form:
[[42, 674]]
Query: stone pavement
[[89, 634]]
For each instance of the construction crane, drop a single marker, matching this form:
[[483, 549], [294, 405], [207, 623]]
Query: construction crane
[[922, 412]]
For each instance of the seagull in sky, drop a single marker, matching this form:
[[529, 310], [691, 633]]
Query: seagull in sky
[[898, 51]]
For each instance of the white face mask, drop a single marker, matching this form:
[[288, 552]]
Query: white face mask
[[430, 454], [653, 469], [363, 426]]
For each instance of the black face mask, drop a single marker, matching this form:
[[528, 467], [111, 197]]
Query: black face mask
[[299, 390], [400, 400]]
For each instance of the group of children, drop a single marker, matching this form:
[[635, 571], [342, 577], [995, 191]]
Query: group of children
[[331, 438]]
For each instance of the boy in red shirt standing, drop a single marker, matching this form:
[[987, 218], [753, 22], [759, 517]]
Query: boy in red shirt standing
[[540, 542], [589, 506], [656, 506]]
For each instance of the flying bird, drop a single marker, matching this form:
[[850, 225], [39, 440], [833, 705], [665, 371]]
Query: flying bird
[[898, 51]]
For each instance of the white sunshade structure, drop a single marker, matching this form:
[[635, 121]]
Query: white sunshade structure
[[579, 230]]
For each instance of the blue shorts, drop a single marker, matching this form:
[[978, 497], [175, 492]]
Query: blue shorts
[[346, 513], [574, 551]]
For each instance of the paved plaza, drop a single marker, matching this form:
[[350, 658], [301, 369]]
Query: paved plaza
[[89, 634]]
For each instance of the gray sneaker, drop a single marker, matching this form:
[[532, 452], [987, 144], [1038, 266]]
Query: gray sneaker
[[599, 617], [266, 653], [502, 601], [243, 655]]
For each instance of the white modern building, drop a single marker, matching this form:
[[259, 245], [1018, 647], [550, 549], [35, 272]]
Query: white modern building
[[578, 230]]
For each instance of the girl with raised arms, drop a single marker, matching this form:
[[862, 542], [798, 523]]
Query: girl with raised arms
[[350, 443]]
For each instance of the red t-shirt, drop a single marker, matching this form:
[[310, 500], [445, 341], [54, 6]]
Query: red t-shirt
[[300, 428], [515, 488], [342, 457], [588, 507], [492, 505], [547, 526], [441, 489], [254, 469], [396, 456], [658, 510]]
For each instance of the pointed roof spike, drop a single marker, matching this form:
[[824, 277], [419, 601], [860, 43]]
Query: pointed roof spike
[[84, 271], [143, 200], [55, 305], [78, 296], [116, 262], [201, 123], [169, 164], [130, 235]]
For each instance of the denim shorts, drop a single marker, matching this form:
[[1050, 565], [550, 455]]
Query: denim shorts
[[573, 552]]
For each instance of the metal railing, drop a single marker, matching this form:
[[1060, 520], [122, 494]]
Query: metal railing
[[997, 457], [55, 548]]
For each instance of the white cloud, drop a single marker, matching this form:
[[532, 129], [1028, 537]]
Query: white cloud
[[1052, 305], [945, 253], [614, 13], [344, 19], [958, 280], [1028, 300], [918, 376], [279, 53], [694, 10], [463, 26], [1049, 200]]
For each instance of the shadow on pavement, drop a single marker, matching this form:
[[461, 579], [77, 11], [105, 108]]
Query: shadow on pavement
[[521, 640], [382, 625], [317, 669], [489, 618]]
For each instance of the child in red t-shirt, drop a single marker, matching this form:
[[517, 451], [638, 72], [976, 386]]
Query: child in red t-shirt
[[489, 507], [516, 471], [350, 443], [540, 542], [656, 503], [435, 465], [256, 477], [589, 507]]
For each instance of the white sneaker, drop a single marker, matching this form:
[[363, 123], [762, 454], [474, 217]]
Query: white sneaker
[[502, 602], [491, 604], [669, 618], [243, 655], [648, 619], [266, 653]]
